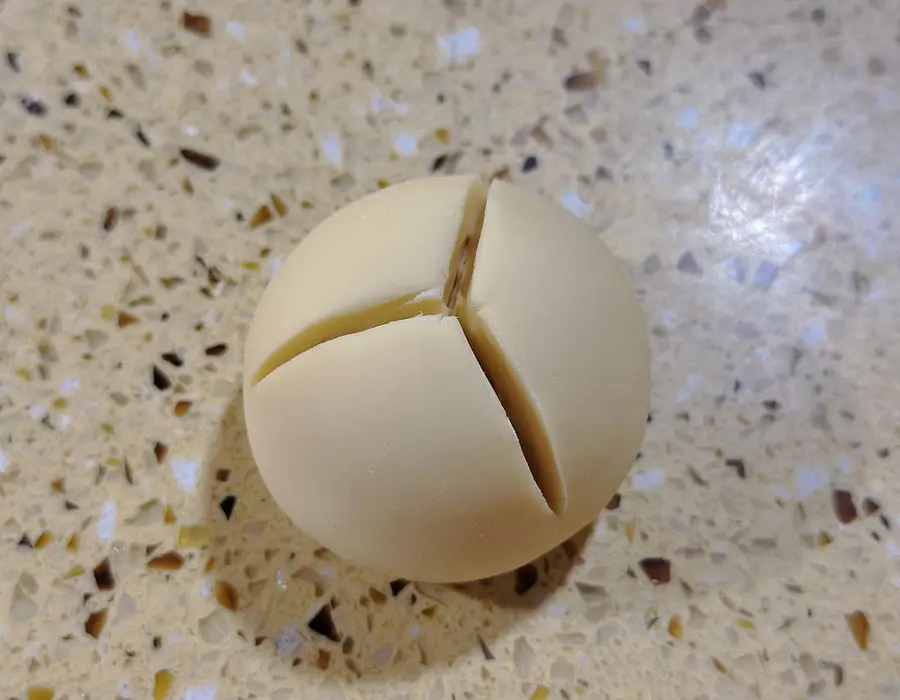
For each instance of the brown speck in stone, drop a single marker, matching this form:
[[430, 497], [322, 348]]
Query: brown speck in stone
[[25, 541], [696, 478], [187, 186], [204, 161], [844, 507], [719, 666], [688, 264], [141, 136], [71, 99], [216, 350], [103, 576], [227, 506], [883, 453], [279, 205], [702, 35], [603, 173], [162, 684], [587, 80], [397, 586], [44, 539], [859, 626], [614, 502], [485, 650], [168, 561], [323, 659], [771, 405], [526, 578], [72, 544], [39, 692], [823, 539], [261, 216], [197, 24], [885, 521], [645, 67], [738, 465], [657, 569], [817, 16], [377, 596], [675, 627], [226, 595], [157, 642], [33, 106], [58, 485], [875, 67], [12, 60], [160, 450], [169, 516], [173, 358], [223, 475], [160, 379], [96, 622], [114, 113], [870, 506], [759, 79], [323, 624], [125, 319], [182, 407], [530, 163]]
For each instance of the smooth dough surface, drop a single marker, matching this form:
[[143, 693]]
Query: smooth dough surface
[[447, 435]]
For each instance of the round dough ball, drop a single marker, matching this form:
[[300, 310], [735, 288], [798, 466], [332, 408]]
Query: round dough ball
[[444, 381]]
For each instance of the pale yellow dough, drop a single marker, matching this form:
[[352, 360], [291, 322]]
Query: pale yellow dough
[[444, 382]]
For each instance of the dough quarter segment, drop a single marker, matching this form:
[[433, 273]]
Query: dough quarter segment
[[450, 501]]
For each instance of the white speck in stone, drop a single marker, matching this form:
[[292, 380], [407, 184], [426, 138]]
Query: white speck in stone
[[203, 590], [20, 229], [124, 688], [64, 422], [557, 609], [248, 77], [813, 333], [282, 81], [688, 118], [646, 481], [204, 692], [378, 102], [740, 135], [69, 384], [288, 640], [572, 201], [226, 204], [236, 29], [462, 44], [331, 147], [279, 580], [893, 549], [185, 471], [414, 631], [132, 40], [870, 195], [106, 523], [765, 274], [844, 465], [634, 25], [274, 264], [37, 412], [14, 314], [4, 462], [810, 479], [400, 107], [191, 130], [404, 143], [668, 317]]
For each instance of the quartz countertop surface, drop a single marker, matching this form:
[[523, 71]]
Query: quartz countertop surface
[[159, 159]]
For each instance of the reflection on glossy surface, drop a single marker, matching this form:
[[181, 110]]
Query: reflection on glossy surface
[[743, 159]]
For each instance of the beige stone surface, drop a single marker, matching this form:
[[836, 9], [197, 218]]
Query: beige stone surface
[[743, 159]]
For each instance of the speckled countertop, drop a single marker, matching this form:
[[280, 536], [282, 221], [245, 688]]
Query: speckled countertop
[[158, 160]]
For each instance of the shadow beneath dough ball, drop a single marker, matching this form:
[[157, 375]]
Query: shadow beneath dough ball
[[296, 600]]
